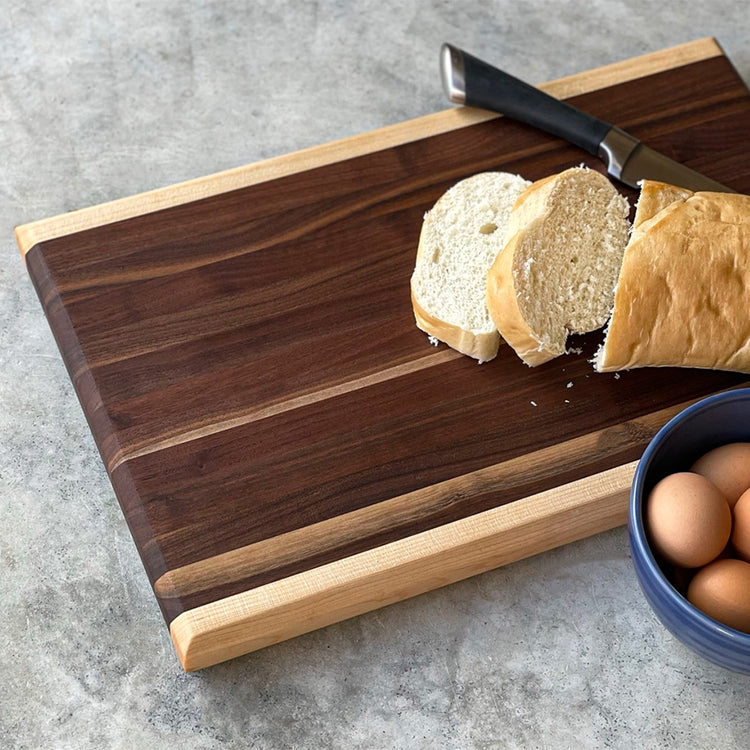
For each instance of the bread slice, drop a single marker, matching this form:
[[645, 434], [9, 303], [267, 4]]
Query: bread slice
[[683, 295], [557, 273], [461, 235]]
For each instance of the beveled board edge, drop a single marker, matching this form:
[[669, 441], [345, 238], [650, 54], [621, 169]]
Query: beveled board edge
[[30, 234], [269, 614]]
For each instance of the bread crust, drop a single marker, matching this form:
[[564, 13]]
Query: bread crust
[[656, 196], [683, 295]]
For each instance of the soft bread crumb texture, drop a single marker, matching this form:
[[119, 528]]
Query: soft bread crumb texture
[[683, 296], [461, 235], [567, 238]]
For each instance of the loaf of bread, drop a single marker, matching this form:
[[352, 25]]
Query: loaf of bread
[[683, 296], [557, 273], [461, 235]]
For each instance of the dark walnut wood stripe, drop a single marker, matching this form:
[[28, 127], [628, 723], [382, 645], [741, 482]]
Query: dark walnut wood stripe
[[263, 402]]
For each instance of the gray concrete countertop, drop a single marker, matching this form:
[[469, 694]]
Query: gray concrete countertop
[[102, 100]]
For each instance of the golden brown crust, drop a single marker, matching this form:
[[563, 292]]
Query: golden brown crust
[[656, 196], [684, 290]]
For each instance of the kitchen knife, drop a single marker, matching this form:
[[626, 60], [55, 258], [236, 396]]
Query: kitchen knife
[[468, 80]]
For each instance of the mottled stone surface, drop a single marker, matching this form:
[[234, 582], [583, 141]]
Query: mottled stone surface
[[102, 100]]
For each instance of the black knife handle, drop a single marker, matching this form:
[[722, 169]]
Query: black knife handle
[[471, 81]]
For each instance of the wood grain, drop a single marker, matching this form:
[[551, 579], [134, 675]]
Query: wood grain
[[286, 447]]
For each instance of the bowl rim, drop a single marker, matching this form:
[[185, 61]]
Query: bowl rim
[[639, 537]]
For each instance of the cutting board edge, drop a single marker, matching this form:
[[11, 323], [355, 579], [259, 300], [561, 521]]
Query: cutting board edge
[[32, 233], [319, 597]]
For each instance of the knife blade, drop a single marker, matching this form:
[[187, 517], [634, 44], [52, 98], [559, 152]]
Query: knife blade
[[471, 81]]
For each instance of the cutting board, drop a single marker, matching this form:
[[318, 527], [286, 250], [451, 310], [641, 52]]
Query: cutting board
[[287, 447]]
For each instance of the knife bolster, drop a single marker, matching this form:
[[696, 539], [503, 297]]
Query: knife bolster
[[615, 149]]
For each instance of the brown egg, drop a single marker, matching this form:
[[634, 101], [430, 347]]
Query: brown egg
[[741, 526], [722, 591], [688, 519], [728, 467]]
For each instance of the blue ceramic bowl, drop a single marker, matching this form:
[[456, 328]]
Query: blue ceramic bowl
[[723, 418]]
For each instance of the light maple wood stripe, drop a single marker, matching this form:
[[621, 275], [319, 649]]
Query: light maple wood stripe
[[304, 602], [28, 235], [293, 546], [637, 67], [269, 410]]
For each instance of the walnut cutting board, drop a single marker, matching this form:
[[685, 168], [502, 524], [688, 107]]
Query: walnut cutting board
[[287, 448]]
